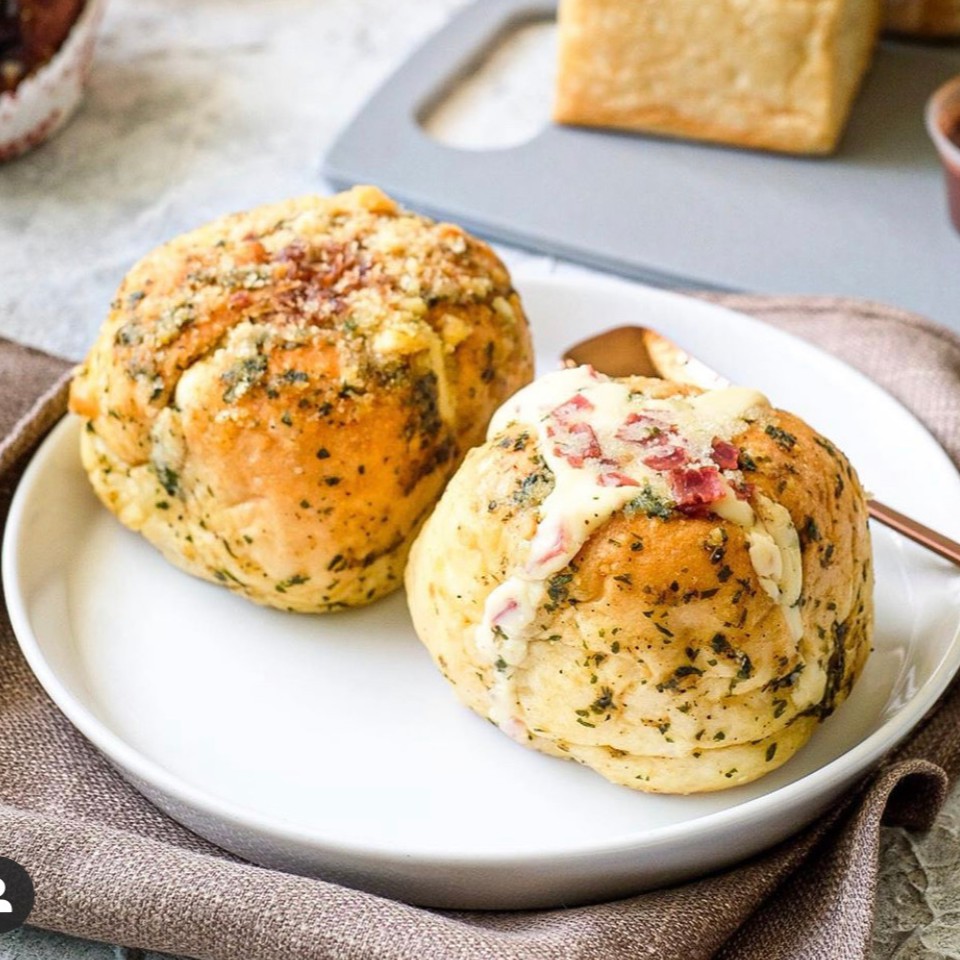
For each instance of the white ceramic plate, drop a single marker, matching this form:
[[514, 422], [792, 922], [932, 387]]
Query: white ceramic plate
[[331, 746]]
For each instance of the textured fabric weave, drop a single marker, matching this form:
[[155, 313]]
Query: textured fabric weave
[[109, 866]]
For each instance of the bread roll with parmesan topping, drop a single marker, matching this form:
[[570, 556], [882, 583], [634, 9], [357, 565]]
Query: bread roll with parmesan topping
[[671, 586], [277, 399]]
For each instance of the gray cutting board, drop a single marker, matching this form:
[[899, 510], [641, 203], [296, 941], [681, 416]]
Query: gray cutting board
[[870, 221]]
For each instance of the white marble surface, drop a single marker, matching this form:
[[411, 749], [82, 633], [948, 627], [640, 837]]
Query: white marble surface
[[199, 107], [195, 108]]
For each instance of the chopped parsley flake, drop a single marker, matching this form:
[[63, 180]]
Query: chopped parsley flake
[[650, 503], [604, 702], [558, 587], [283, 585], [242, 376], [786, 441], [811, 532], [169, 480]]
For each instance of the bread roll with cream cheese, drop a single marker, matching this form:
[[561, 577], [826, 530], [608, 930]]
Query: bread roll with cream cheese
[[671, 586], [277, 399]]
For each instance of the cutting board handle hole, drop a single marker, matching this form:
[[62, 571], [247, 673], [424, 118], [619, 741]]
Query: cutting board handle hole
[[503, 98]]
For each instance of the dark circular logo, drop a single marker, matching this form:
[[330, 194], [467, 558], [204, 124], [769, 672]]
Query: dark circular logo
[[16, 895]]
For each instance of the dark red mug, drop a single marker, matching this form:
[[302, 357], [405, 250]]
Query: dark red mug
[[943, 125]]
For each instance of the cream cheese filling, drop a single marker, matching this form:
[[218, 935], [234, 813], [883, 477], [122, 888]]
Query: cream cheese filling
[[607, 445]]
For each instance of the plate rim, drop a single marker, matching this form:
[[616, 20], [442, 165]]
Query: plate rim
[[861, 758]]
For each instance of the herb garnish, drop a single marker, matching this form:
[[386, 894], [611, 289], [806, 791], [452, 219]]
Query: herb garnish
[[650, 503], [283, 585], [784, 440]]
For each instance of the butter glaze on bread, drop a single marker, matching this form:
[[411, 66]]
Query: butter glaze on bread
[[277, 399], [772, 74], [664, 645]]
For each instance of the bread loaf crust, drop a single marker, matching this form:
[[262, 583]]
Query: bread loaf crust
[[763, 74]]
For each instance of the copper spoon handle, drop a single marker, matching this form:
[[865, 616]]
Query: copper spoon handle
[[642, 351], [915, 531]]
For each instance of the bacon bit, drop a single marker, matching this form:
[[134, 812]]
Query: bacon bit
[[696, 487], [577, 444], [593, 445], [666, 458], [578, 403], [240, 299], [744, 491], [616, 479], [293, 252], [643, 429], [507, 609], [725, 455]]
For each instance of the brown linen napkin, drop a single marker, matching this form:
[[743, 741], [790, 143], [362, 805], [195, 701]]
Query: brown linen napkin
[[109, 866]]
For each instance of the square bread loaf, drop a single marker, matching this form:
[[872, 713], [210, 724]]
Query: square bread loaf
[[771, 74], [923, 18]]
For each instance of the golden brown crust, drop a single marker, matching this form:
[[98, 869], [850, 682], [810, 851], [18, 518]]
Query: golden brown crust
[[659, 660], [763, 75], [278, 398]]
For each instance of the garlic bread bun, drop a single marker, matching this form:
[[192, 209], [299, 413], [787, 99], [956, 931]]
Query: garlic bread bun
[[277, 399], [671, 586]]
